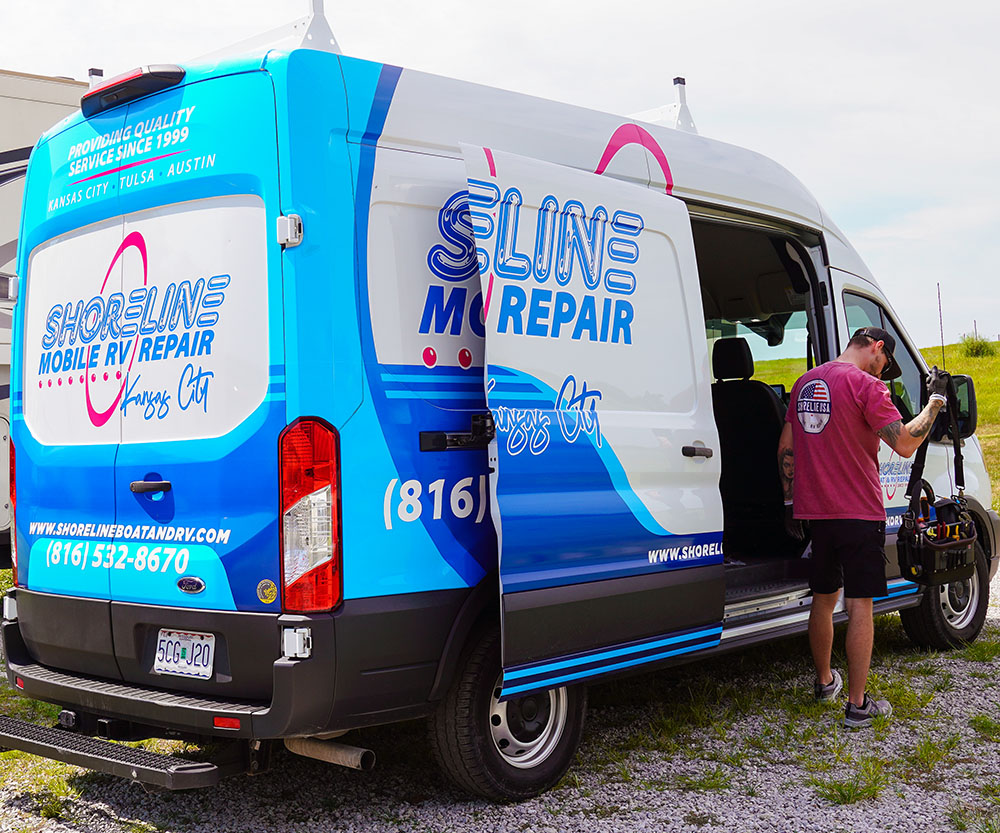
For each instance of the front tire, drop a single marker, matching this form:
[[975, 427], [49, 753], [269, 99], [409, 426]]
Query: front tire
[[506, 751], [951, 615]]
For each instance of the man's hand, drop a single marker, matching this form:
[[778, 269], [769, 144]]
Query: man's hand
[[937, 382], [793, 528]]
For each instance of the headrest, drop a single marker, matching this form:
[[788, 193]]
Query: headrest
[[732, 359]]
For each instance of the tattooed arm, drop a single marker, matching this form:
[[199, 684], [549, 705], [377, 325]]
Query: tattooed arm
[[786, 461], [786, 472], [905, 439]]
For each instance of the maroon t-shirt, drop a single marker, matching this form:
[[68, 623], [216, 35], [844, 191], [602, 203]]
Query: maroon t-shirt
[[835, 411]]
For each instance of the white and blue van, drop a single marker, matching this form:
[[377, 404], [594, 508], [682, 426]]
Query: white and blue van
[[344, 394]]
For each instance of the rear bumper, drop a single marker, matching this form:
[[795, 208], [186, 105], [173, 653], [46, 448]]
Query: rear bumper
[[374, 661], [300, 702]]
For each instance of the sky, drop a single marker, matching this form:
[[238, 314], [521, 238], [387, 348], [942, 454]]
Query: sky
[[886, 110]]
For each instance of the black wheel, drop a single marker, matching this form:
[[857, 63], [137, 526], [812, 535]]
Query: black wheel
[[951, 615], [504, 751]]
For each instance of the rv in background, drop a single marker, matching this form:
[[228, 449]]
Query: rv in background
[[29, 104]]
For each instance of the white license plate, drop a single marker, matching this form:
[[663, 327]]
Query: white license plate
[[185, 654]]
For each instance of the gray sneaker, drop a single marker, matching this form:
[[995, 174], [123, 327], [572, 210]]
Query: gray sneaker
[[857, 718], [828, 692]]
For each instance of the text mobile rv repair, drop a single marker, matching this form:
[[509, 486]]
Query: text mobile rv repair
[[148, 326]]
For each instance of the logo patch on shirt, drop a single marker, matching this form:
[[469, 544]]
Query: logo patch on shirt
[[813, 406]]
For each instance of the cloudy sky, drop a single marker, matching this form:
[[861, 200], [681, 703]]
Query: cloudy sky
[[888, 111]]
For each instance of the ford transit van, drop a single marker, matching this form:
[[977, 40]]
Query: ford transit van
[[344, 394]]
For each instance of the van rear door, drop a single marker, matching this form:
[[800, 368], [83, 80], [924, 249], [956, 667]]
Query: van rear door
[[201, 402], [64, 435], [605, 492]]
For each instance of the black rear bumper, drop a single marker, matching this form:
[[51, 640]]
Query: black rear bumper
[[294, 707], [374, 661]]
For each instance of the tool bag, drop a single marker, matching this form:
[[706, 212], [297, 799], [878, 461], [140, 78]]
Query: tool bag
[[941, 549]]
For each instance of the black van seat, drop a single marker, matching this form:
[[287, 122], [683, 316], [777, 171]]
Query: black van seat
[[749, 416]]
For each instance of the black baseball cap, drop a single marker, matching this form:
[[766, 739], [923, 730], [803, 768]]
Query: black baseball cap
[[892, 370]]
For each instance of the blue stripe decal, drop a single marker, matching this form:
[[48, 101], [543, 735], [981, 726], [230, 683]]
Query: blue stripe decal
[[909, 591], [607, 669], [610, 654], [433, 394], [276, 387], [430, 379]]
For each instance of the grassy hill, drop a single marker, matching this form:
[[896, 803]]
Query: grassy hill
[[985, 373]]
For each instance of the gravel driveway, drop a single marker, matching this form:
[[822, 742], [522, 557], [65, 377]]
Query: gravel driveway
[[730, 744]]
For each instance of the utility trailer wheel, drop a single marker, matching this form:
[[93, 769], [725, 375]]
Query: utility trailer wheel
[[951, 615], [506, 751]]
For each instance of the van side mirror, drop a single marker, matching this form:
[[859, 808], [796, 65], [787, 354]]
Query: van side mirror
[[968, 414]]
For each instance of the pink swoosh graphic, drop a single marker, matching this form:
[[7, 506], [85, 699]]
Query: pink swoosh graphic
[[99, 418], [492, 164], [632, 134], [489, 294]]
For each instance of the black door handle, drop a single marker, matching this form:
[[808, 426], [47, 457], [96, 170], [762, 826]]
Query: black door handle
[[696, 451], [143, 486]]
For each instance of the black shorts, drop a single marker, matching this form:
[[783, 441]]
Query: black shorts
[[848, 554]]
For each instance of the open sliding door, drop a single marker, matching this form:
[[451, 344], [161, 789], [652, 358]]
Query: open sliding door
[[605, 485]]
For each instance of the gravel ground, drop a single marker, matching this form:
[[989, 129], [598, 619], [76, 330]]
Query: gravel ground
[[733, 744]]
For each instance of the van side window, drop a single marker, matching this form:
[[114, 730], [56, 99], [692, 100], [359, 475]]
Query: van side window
[[864, 312], [780, 346]]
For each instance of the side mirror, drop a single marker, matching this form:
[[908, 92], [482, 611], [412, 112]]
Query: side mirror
[[968, 415]]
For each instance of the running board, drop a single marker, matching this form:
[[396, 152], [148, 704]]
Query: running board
[[153, 768]]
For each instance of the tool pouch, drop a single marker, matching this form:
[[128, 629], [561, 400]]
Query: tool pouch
[[936, 541]]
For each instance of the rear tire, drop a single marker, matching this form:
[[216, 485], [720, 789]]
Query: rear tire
[[504, 751], [951, 615]]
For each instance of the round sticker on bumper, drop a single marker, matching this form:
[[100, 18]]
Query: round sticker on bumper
[[267, 592]]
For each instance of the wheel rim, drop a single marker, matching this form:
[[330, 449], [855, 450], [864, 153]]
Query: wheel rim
[[959, 601], [527, 730]]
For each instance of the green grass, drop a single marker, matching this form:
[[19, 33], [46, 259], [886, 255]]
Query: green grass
[[929, 752], [869, 779], [712, 780], [986, 727]]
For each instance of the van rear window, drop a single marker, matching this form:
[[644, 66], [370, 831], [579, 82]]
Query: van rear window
[[150, 327]]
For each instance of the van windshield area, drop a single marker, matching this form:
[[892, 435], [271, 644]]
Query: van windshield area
[[760, 332]]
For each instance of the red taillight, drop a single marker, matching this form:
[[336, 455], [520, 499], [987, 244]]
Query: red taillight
[[19, 683], [129, 86], [226, 722], [309, 462], [13, 514]]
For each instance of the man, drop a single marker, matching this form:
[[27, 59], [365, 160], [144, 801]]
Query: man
[[828, 452]]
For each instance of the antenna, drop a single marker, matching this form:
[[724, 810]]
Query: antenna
[[941, 325], [309, 32], [676, 115]]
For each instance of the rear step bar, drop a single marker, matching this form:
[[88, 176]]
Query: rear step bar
[[153, 768]]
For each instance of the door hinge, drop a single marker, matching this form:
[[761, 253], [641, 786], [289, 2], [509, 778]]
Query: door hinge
[[481, 431], [289, 230]]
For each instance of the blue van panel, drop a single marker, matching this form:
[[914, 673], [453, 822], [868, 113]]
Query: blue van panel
[[428, 545]]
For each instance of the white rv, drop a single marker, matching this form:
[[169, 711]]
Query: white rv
[[29, 104]]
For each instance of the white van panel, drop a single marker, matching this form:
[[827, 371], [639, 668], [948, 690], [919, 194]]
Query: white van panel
[[199, 376], [149, 327], [64, 271]]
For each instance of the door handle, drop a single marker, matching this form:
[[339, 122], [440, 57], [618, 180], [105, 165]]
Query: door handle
[[144, 486], [696, 451]]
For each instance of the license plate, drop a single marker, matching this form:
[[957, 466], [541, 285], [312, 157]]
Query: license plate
[[185, 654]]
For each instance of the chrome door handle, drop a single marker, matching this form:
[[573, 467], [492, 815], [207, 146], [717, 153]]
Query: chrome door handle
[[696, 451]]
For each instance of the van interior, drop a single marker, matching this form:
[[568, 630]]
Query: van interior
[[756, 288]]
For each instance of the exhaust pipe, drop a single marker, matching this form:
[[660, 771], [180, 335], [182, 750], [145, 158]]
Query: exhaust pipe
[[332, 753]]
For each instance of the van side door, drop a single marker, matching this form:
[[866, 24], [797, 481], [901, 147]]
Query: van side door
[[605, 484]]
